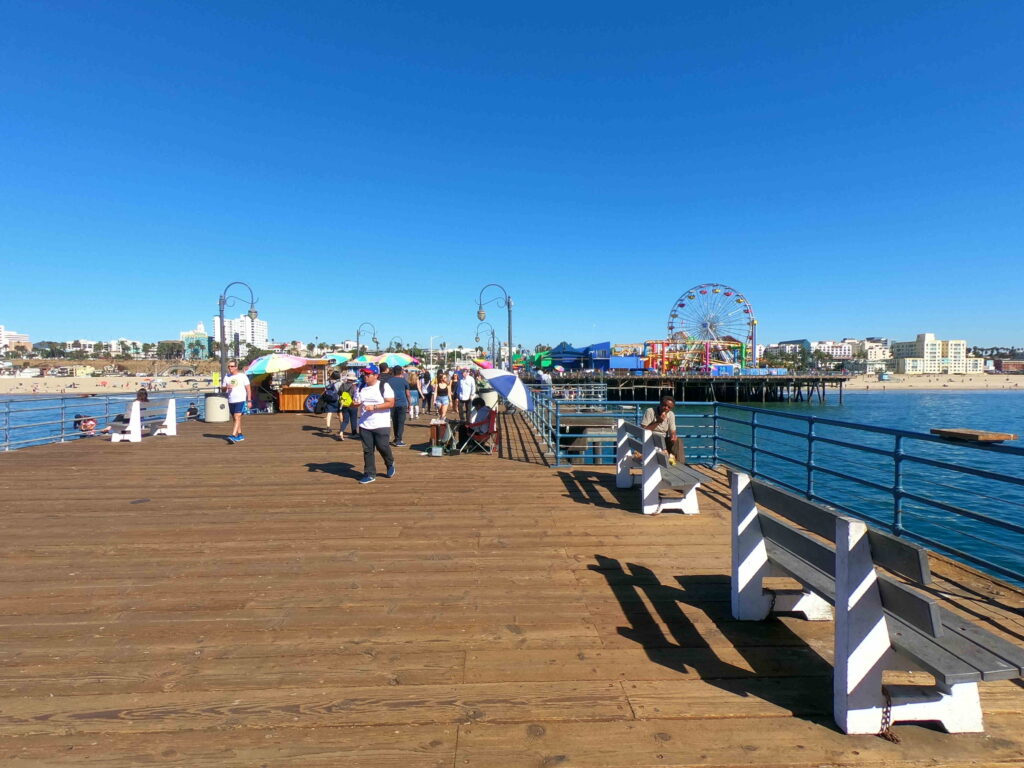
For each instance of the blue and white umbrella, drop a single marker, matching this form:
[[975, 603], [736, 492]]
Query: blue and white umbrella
[[509, 386]]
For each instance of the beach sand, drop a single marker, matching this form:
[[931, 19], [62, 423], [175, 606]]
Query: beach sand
[[82, 385], [932, 382]]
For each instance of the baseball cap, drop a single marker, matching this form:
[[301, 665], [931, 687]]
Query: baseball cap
[[370, 368]]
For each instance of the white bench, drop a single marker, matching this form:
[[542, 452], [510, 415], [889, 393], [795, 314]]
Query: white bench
[[640, 453], [881, 622], [138, 416]]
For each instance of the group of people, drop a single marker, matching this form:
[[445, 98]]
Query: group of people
[[375, 407]]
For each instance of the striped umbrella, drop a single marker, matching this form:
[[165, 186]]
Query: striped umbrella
[[509, 386]]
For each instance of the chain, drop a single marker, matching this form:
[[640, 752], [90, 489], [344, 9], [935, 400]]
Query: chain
[[886, 731], [771, 605]]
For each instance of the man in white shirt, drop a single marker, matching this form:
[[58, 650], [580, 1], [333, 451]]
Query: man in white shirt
[[239, 396], [466, 392], [375, 401]]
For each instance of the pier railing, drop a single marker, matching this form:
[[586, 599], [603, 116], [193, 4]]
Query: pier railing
[[27, 421], [963, 499]]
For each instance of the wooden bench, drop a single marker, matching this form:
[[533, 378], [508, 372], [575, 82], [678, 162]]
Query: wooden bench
[[640, 454], [131, 431], [881, 621]]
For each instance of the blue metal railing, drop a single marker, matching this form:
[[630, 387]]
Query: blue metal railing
[[28, 421], [963, 499]]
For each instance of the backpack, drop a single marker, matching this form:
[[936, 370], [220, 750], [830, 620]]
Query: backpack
[[330, 394]]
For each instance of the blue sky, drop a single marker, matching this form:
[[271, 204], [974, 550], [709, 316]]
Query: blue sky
[[853, 169]]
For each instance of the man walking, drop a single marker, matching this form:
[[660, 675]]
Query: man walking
[[375, 401], [466, 392], [239, 396], [400, 386]]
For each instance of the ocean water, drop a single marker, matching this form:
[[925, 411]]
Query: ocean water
[[959, 510]]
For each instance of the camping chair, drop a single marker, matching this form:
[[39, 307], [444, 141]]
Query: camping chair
[[483, 441]]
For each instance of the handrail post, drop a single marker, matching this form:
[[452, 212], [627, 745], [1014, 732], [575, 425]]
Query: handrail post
[[897, 487], [753, 444], [558, 432], [810, 457], [714, 434], [63, 418]]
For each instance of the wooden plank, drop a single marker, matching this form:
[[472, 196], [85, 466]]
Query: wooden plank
[[973, 435]]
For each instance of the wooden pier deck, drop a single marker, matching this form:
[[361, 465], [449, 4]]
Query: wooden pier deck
[[192, 603]]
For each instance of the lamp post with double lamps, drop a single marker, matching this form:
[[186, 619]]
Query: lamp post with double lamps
[[373, 336], [502, 301], [223, 302], [494, 359], [393, 340]]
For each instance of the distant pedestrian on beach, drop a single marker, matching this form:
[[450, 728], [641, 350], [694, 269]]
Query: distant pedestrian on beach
[[375, 399], [400, 386], [239, 396]]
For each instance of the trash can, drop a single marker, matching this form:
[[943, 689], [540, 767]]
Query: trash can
[[217, 408]]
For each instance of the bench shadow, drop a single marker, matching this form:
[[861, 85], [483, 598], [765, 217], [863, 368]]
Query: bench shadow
[[770, 672], [338, 468], [595, 488]]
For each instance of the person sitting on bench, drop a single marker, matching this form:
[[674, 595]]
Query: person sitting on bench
[[663, 421]]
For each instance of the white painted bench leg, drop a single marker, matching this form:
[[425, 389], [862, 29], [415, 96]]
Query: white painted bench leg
[[813, 607], [959, 709], [689, 502], [170, 425], [861, 636], [133, 433], [623, 461], [749, 557], [651, 478]]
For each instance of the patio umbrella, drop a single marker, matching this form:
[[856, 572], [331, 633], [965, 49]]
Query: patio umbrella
[[560, 369], [275, 363], [509, 386], [337, 358], [483, 363], [363, 360], [397, 358]]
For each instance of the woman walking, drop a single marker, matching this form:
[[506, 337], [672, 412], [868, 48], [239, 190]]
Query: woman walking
[[349, 417], [443, 392], [415, 395], [427, 391], [332, 401]]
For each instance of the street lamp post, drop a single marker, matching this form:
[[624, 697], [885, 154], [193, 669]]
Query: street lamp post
[[430, 353], [502, 301], [221, 303], [400, 343], [373, 336], [494, 358]]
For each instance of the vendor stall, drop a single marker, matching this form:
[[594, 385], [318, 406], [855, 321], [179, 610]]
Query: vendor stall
[[299, 389]]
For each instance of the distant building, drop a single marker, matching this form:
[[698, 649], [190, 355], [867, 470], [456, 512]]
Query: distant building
[[837, 350], [926, 354], [10, 341], [249, 332], [198, 344], [1009, 366]]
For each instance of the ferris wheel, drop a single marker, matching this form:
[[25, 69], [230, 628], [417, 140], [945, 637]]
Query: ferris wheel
[[712, 323]]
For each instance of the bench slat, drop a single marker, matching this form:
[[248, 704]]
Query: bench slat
[[916, 609], [948, 668], [800, 544], [1012, 655], [819, 582], [888, 551]]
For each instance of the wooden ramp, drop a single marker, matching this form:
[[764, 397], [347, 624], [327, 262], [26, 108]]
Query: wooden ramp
[[188, 602]]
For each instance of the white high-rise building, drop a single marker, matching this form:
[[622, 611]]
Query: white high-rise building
[[837, 350], [9, 340], [926, 354], [250, 332]]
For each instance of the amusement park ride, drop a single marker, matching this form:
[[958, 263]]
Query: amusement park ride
[[708, 325]]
